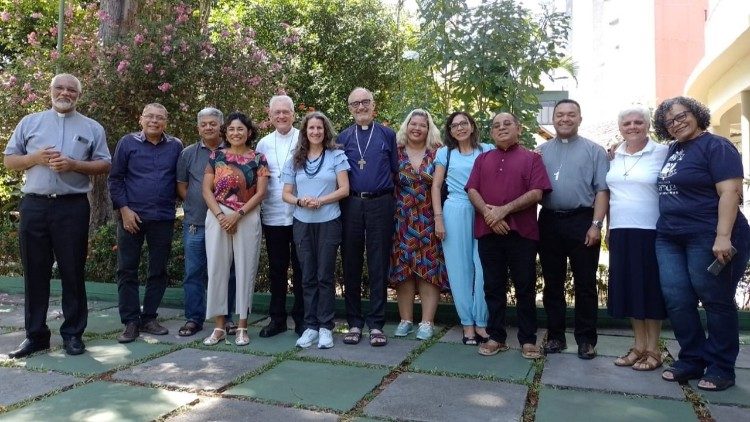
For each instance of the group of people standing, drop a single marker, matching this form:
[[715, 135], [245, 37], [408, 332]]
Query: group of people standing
[[427, 212]]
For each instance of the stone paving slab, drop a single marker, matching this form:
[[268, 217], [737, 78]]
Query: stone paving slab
[[605, 345], [570, 405], [271, 345], [17, 384], [390, 327], [103, 401], [99, 322], [391, 355], [169, 313], [213, 409], [729, 413], [456, 334], [461, 359], [337, 387], [10, 342], [414, 397], [737, 395], [743, 358], [194, 369], [101, 356], [601, 374]]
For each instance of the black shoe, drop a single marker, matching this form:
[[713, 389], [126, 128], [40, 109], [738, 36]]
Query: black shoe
[[153, 327], [272, 329], [586, 351], [28, 347], [554, 346], [74, 346], [130, 333]]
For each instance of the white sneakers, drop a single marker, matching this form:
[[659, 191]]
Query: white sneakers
[[324, 337], [307, 338]]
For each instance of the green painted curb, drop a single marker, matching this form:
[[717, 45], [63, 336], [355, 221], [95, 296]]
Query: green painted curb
[[446, 313]]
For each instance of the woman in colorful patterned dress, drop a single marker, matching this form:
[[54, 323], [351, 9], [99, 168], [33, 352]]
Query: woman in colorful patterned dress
[[234, 185], [417, 258]]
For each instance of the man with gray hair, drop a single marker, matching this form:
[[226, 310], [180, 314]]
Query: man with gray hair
[[276, 216], [58, 150], [191, 167]]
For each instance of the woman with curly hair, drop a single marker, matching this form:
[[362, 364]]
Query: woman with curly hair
[[700, 188], [417, 257], [234, 185], [315, 180], [453, 165]]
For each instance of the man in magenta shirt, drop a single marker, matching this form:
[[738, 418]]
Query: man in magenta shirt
[[505, 186]]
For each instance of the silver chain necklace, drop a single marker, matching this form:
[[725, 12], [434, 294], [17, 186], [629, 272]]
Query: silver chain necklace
[[276, 151], [362, 161]]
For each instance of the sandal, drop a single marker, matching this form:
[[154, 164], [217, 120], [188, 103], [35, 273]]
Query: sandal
[[213, 340], [491, 348], [377, 338], [645, 364], [719, 384], [231, 328], [679, 375], [470, 341], [242, 338], [189, 329], [353, 336], [530, 351], [627, 360]]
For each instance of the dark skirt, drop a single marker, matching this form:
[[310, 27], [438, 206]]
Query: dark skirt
[[634, 290]]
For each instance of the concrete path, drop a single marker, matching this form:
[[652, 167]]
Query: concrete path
[[179, 379]]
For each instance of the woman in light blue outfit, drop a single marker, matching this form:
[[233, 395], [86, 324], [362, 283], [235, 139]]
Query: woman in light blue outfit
[[454, 224]]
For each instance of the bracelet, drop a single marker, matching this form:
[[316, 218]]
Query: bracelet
[[298, 203], [241, 212], [219, 213]]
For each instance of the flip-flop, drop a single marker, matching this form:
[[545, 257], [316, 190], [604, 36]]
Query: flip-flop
[[680, 375]]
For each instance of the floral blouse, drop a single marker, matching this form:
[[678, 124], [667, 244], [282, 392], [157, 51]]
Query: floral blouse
[[236, 176]]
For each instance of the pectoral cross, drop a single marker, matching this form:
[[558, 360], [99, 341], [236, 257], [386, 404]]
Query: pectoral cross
[[557, 175], [361, 163]]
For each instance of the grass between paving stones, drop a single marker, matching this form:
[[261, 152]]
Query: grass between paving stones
[[358, 409], [532, 397]]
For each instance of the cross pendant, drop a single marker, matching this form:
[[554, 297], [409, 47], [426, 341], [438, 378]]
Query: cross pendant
[[362, 163], [557, 175]]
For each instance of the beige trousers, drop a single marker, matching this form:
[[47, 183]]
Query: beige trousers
[[221, 247]]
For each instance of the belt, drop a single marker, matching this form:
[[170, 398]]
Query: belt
[[566, 213], [55, 195], [371, 195]]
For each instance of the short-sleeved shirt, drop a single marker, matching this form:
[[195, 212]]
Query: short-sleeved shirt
[[500, 177], [278, 149], [633, 201], [380, 156], [190, 169], [459, 168], [316, 185], [236, 176], [72, 134], [577, 168], [688, 201], [144, 176]]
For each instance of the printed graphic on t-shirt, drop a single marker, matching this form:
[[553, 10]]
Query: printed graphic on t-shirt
[[667, 171]]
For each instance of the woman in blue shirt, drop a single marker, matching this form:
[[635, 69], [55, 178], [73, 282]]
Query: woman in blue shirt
[[315, 179], [700, 188]]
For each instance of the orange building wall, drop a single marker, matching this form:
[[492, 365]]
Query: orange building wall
[[679, 38]]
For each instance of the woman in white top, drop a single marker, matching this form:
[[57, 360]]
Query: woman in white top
[[634, 289]]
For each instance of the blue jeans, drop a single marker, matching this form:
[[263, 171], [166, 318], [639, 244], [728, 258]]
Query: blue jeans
[[196, 275], [683, 260]]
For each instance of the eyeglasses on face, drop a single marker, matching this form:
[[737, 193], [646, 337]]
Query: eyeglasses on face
[[356, 104], [678, 118], [461, 124], [157, 117]]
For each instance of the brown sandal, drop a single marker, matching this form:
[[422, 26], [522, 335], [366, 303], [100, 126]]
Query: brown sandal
[[491, 348], [647, 365], [627, 360], [530, 351]]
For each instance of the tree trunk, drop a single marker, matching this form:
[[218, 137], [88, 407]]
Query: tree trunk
[[205, 13], [121, 15]]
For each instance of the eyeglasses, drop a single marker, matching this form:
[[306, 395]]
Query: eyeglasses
[[678, 118], [356, 104], [157, 117], [497, 126], [461, 124]]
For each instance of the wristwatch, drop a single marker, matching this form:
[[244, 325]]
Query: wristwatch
[[241, 212], [597, 223]]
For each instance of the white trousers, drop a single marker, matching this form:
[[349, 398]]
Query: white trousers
[[221, 248]]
